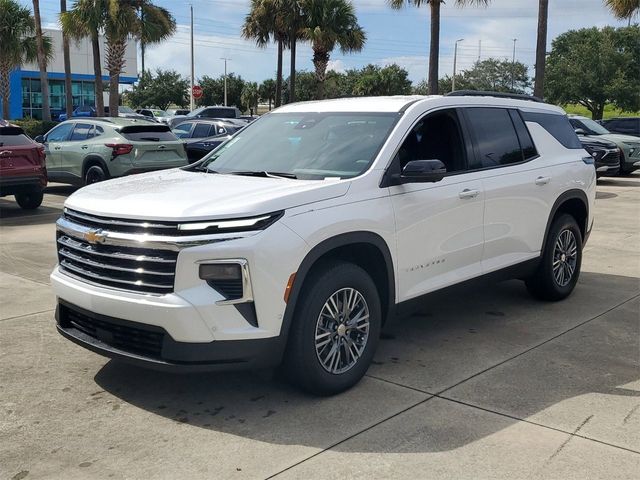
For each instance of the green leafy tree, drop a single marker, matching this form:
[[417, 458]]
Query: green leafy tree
[[166, 87], [213, 90], [330, 23], [267, 91], [17, 44], [85, 20], [434, 49], [594, 67], [390, 80], [250, 97]]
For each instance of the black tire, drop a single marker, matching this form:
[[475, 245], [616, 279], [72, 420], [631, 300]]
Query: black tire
[[94, 174], [544, 283], [302, 364], [31, 199]]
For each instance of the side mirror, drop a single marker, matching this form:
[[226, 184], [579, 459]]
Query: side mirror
[[40, 139], [418, 171], [580, 131]]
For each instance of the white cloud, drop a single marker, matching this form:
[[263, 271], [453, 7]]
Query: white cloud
[[337, 66]]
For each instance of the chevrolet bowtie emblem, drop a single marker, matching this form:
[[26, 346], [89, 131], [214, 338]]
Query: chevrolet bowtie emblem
[[95, 236]]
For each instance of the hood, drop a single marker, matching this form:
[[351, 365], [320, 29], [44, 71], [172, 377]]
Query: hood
[[618, 137], [179, 194], [596, 141]]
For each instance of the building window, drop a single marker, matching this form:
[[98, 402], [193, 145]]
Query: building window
[[83, 94]]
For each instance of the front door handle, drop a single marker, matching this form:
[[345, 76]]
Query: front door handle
[[542, 180], [466, 193], [84, 147], [57, 148]]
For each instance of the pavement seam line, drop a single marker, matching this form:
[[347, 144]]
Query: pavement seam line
[[27, 315], [421, 402], [27, 279]]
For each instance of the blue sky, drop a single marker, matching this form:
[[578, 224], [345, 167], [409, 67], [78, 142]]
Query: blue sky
[[400, 37]]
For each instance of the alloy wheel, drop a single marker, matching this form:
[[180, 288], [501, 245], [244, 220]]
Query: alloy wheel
[[565, 257]]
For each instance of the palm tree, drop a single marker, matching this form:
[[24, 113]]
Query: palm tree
[[293, 17], [42, 63], [541, 48], [434, 48], [267, 91], [18, 40], [249, 97], [68, 96], [623, 9], [262, 24], [86, 19], [329, 23], [140, 19]]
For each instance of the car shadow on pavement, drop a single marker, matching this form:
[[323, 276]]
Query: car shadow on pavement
[[619, 182], [456, 336]]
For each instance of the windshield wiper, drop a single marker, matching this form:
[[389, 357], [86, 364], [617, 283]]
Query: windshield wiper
[[264, 173]]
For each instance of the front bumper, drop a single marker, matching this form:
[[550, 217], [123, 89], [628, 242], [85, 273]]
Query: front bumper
[[152, 347]]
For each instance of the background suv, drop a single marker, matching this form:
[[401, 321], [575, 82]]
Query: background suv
[[229, 113], [22, 167], [85, 151], [623, 125], [203, 128], [629, 145], [293, 242]]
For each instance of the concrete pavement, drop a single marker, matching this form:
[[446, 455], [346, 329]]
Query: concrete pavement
[[481, 383]]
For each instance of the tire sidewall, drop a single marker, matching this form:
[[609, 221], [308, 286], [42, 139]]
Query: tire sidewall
[[95, 169], [30, 200], [338, 276]]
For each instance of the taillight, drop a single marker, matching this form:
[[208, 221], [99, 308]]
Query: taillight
[[41, 154], [119, 148]]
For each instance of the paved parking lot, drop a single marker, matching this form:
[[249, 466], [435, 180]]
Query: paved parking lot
[[482, 383]]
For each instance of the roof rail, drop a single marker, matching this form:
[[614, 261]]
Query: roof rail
[[484, 93]]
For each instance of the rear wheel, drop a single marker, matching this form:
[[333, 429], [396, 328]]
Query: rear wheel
[[31, 199], [94, 174], [335, 330], [559, 268]]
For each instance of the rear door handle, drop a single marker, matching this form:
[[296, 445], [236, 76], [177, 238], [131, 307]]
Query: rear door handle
[[57, 148], [466, 193], [542, 180], [84, 147]]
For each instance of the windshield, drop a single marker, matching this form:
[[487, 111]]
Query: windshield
[[124, 109], [159, 113], [305, 145], [595, 127]]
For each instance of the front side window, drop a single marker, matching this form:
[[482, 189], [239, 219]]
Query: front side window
[[589, 126], [495, 136], [435, 137], [305, 145], [60, 133]]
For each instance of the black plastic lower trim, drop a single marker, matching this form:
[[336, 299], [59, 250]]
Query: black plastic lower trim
[[174, 356]]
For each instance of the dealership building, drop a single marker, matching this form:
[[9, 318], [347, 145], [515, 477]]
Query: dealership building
[[25, 98]]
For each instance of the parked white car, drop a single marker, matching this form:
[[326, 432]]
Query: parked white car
[[296, 240]]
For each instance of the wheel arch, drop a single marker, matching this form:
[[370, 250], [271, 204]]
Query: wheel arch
[[575, 203], [366, 249], [91, 160]]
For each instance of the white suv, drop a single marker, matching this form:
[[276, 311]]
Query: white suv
[[294, 241]]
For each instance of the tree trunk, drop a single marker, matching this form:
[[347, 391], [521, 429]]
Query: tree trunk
[[279, 76], [4, 90], [115, 61], [68, 96], [42, 63], [114, 84], [434, 49], [320, 62], [292, 75], [97, 73], [541, 48], [597, 112]]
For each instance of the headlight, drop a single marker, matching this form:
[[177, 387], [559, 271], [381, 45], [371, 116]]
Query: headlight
[[233, 225]]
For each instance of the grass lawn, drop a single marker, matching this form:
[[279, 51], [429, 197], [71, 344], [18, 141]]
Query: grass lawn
[[609, 111]]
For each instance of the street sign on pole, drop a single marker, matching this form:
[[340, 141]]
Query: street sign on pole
[[197, 91]]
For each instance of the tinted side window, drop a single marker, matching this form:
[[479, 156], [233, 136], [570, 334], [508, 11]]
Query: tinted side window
[[201, 130], [557, 125], [80, 132], [524, 137], [436, 136], [495, 136], [60, 133]]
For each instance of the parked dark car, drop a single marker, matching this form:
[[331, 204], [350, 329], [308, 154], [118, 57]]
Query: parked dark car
[[23, 171], [606, 155], [203, 128], [82, 111], [623, 125], [199, 147], [231, 113]]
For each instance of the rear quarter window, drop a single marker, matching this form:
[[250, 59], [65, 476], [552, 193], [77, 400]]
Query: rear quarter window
[[557, 125], [148, 133]]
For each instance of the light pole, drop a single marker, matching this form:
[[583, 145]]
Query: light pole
[[513, 63], [455, 59], [192, 103], [225, 79]]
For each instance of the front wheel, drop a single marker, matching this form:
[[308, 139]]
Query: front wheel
[[30, 200], [335, 330], [559, 268]]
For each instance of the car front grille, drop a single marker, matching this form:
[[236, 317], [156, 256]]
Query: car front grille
[[147, 342], [125, 267], [611, 157]]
